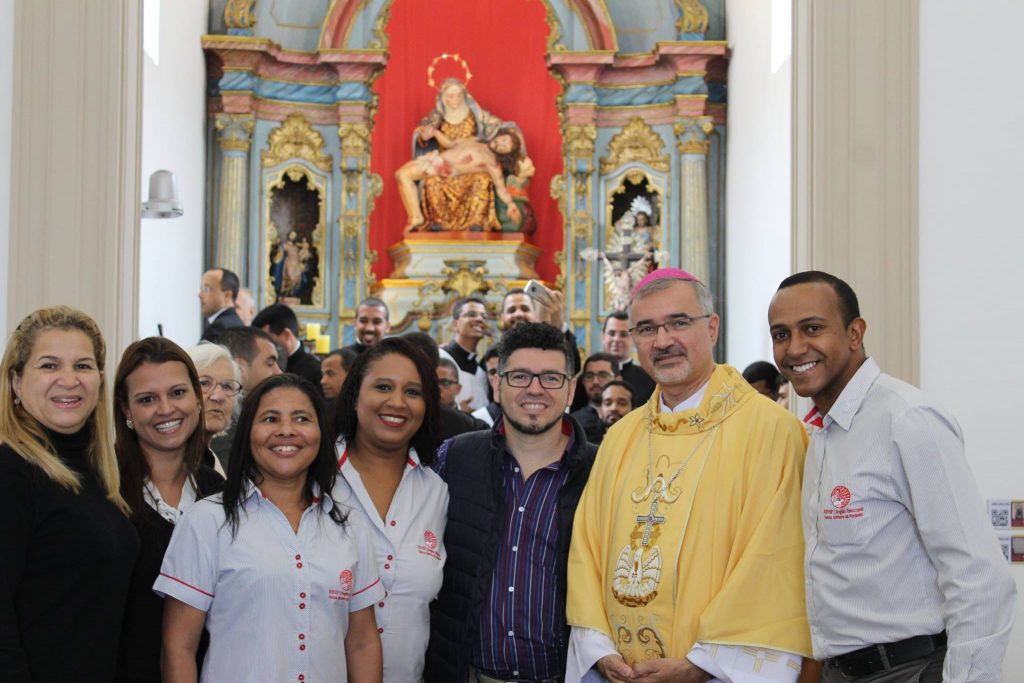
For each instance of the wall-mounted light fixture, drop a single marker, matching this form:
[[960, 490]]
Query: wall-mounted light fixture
[[163, 197]]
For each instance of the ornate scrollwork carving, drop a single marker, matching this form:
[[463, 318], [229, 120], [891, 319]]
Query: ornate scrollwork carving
[[578, 141], [296, 139], [380, 36], [636, 142], [355, 141], [238, 14], [694, 19], [465, 278]]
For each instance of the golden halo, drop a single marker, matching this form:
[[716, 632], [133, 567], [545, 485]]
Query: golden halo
[[455, 58]]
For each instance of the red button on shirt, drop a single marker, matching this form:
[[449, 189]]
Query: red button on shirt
[[301, 677], [380, 630], [380, 604], [302, 636], [391, 557], [298, 557], [299, 565], [302, 605], [302, 595], [393, 522], [302, 647]]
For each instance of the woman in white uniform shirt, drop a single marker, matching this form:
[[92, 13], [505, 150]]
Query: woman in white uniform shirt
[[280, 575], [387, 419]]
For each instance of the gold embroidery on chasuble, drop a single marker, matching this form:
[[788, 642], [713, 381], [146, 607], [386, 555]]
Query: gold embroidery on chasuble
[[464, 201], [660, 482]]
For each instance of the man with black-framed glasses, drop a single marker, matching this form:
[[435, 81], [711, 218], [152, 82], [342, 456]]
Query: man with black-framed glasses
[[500, 615], [687, 552]]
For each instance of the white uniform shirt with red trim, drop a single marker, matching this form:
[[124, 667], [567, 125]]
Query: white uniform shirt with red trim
[[410, 559], [897, 541], [277, 602]]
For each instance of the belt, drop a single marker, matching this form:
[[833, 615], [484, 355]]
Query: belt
[[478, 676], [874, 658]]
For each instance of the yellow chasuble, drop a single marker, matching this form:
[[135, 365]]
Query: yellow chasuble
[[689, 528]]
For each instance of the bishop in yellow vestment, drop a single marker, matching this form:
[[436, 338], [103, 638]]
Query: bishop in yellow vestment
[[687, 542]]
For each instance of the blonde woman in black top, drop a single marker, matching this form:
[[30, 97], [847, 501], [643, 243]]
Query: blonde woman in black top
[[66, 546], [160, 445]]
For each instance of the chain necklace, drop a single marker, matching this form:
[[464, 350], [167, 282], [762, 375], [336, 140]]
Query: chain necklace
[[662, 491]]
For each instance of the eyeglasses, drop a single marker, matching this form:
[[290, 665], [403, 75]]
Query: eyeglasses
[[591, 376], [447, 382], [520, 379], [230, 387], [649, 331]]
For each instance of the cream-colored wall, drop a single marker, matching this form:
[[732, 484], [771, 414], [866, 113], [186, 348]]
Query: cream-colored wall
[[972, 238], [174, 138], [75, 145], [758, 200]]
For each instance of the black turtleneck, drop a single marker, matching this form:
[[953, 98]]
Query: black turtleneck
[[66, 561]]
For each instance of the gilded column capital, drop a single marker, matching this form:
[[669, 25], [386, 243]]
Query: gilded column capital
[[692, 134], [234, 131], [239, 17]]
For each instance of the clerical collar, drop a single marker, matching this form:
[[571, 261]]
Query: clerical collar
[[466, 360], [688, 404]]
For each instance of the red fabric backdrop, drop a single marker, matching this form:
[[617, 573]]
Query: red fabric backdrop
[[503, 42]]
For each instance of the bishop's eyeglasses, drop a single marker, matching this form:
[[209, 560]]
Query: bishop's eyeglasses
[[520, 379], [648, 331]]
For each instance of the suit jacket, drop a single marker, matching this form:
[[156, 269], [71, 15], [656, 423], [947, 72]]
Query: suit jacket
[[304, 365], [224, 321], [643, 385], [590, 421]]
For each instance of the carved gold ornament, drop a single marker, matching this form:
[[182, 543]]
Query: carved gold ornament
[[695, 17], [235, 131], [455, 58], [239, 14], [692, 135], [465, 278], [355, 140], [296, 139], [636, 142]]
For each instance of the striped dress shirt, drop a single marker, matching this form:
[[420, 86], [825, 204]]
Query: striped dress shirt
[[522, 627], [898, 543]]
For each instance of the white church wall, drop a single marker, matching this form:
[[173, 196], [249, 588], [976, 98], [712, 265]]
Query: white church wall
[[972, 238], [6, 102], [173, 138], [758, 177]]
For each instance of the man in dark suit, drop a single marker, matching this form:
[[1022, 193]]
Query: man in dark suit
[[616, 341], [599, 369], [281, 323], [217, 302]]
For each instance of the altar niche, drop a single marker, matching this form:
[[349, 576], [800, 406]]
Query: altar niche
[[633, 240], [295, 261]]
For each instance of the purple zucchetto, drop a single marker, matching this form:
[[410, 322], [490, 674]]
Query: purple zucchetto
[[660, 274]]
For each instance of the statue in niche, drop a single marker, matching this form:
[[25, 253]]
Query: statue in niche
[[630, 253], [471, 199], [295, 260]]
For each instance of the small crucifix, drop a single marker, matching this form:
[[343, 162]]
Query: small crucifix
[[650, 519]]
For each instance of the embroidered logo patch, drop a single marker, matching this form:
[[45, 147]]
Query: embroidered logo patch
[[429, 545], [345, 578], [840, 497]]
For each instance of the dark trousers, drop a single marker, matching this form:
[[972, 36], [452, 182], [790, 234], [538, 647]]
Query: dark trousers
[[924, 670]]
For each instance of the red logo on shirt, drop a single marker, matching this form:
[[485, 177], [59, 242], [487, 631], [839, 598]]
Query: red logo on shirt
[[429, 545], [840, 497], [345, 577]]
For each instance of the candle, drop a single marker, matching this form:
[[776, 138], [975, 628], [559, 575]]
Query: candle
[[312, 330], [323, 344]]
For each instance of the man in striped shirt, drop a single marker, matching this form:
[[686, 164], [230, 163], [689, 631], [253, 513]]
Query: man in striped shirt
[[904, 578], [500, 615]]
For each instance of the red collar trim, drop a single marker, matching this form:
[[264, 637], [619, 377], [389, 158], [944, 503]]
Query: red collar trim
[[343, 458], [815, 419]]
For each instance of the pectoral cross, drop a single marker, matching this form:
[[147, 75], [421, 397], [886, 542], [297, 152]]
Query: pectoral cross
[[650, 519]]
